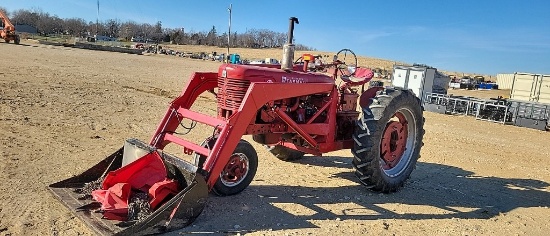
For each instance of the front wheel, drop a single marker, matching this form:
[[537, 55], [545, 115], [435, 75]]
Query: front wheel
[[388, 139], [239, 170]]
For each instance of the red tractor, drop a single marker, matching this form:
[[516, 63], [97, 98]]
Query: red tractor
[[295, 108]]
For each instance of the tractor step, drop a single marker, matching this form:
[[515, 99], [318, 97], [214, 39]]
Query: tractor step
[[202, 118], [178, 212], [190, 147]]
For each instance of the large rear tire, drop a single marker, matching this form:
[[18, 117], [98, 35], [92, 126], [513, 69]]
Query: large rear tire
[[285, 154], [17, 39], [388, 139], [239, 171]]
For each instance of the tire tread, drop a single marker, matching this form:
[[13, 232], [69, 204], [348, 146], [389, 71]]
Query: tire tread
[[369, 131]]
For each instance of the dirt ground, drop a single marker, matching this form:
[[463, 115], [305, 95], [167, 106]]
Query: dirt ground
[[62, 110]]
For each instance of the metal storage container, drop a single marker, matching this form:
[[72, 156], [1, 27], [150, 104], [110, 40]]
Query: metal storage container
[[505, 81], [544, 91], [420, 79], [531, 87]]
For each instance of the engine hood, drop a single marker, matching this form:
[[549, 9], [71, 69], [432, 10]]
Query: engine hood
[[270, 75]]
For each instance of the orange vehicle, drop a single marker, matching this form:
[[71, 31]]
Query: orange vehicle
[[7, 29]]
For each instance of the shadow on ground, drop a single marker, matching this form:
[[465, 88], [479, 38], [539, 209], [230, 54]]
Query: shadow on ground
[[435, 191]]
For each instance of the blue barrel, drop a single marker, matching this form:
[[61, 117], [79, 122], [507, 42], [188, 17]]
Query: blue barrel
[[235, 59]]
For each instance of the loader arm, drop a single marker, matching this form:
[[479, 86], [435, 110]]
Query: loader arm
[[255, 98], [230, 130], [198, 84]]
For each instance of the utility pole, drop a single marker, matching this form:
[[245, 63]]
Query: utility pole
[[229, 32], [97, 20]]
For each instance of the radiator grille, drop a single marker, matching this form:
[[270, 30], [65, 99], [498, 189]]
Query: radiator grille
[[230, 95]]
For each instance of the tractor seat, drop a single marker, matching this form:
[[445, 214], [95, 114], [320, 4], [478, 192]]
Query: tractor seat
[[361, 76]]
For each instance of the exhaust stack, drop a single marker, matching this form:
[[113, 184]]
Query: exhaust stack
[[288, 49]]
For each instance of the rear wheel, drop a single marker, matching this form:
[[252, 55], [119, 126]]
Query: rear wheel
[[239, 170], [285, 154], [17, 39], [388, 138]]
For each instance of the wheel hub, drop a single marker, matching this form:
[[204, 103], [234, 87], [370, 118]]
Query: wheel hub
[[235, 171], [394, 140]]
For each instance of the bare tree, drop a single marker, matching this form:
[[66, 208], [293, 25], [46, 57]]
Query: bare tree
[[47, 24], [157, 31], [221, 41], [131, 29], [113, 28], [56, 25], [24, 17], [280, 39], [176, 36], [75, 26], [211, 37]]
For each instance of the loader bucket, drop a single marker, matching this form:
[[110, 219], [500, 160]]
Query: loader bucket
[[178, 212]]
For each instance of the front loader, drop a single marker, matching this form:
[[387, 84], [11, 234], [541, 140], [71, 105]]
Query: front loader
[[303, 106]]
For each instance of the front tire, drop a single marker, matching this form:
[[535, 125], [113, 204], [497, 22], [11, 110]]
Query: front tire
[[387, 140], [239, 171]]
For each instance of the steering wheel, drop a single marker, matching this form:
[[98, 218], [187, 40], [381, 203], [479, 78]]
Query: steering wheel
[[348, 62], [299, 61]]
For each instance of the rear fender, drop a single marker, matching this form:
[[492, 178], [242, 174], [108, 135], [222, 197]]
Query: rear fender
[[364, 100]]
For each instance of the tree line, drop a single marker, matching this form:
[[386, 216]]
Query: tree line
[[47, 24]]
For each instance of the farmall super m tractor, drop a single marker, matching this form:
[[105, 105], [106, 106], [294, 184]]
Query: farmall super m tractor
[[294, 109]]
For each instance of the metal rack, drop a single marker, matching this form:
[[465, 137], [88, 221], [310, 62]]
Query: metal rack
[[435, 102], [494, 110], [446, 104], [504, 111], [459, 106], [530, 114]]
